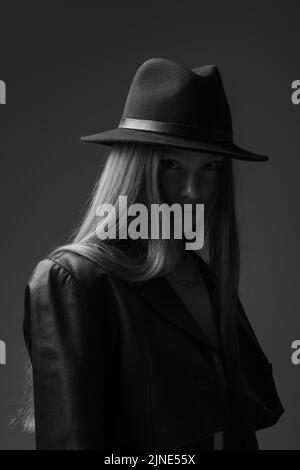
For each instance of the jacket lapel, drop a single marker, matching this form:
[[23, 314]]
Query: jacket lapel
[[161, 296]]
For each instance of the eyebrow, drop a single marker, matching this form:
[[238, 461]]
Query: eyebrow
[[213, 159]]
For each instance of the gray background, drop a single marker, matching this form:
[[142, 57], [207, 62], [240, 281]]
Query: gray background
[[68, 71]]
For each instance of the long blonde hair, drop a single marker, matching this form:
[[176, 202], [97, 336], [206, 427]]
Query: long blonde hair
[[131, 170]]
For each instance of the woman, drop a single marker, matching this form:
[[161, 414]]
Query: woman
[[137, 343]]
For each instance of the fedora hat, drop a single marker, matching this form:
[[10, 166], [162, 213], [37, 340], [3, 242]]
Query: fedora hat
[[171, 105]]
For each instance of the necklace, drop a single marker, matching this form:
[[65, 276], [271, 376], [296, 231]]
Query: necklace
[[184, 283]]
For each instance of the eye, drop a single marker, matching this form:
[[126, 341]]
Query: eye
[[170, 164], [212, 166]]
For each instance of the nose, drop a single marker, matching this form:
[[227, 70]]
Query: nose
[[191, 188]]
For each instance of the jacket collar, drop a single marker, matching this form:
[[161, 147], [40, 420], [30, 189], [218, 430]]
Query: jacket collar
[[160, 295], [163, 299]]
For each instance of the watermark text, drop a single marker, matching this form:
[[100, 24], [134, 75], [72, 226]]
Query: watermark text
[[2, 352], [295, 97], [165, 221], [295, 358], [2, 92]]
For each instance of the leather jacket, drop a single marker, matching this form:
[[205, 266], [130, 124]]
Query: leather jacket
[[120, 365]]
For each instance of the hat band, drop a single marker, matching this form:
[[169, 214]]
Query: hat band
[[179, 130]]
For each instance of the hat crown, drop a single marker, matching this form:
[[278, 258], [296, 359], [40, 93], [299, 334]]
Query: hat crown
[[165, 91], [171, 105]]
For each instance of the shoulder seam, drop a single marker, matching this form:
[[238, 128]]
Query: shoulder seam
[[65, 269]]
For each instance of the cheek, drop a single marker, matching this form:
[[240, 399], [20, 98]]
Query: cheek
[[170, 184], [209, 184]]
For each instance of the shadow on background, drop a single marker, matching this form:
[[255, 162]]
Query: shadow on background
[[68, 72]]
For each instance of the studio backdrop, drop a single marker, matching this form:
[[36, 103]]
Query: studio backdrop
[[65, 72]]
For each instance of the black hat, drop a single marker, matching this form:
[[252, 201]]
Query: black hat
[[171, 105]]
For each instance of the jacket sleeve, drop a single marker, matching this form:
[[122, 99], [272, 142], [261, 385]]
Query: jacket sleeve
[[70, 349], [262, 406]]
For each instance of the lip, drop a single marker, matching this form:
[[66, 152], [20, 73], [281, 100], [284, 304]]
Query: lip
[[193, 204]]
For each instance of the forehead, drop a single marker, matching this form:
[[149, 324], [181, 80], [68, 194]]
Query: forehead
[[190, 156]]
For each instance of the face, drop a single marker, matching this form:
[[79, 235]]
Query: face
[[189, 177]]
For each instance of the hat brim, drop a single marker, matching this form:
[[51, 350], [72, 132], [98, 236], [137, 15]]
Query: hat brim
[[113, 136]]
